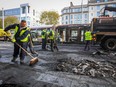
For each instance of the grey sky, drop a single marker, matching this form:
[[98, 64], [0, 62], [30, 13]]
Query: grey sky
[[40, 5]]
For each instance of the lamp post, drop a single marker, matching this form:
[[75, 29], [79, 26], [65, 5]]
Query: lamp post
[[82, 12], [3, 18]]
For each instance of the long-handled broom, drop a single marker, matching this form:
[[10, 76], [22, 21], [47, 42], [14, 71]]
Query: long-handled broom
[[33, 60]]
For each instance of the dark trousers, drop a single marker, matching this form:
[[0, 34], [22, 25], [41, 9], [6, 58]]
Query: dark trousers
[[87, 45], [51, 44], [55, 47], [19, 51], [43, 43]]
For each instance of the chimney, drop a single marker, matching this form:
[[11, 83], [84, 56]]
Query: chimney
[[71, 4]]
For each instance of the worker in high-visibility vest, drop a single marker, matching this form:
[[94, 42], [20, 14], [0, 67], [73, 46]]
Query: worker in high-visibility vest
[[88, 38], [21, 36], [51, 37], [44, 39]]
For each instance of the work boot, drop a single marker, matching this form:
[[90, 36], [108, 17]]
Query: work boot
[[33, 52], [14, 59], [22, 62]]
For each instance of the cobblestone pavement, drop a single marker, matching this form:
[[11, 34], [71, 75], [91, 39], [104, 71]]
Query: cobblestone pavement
[[44, 73]]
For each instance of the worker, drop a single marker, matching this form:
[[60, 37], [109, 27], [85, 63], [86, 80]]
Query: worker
[[44, 39], [51, 37], [21, 37], [88, 38]]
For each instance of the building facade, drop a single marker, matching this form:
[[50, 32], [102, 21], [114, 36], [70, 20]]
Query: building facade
[[74, 14], [83, 14], [24, 12], [95, 8]]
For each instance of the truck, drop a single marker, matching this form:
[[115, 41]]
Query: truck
[[104, 30]]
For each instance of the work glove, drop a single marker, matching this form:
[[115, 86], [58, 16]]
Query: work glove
[[13, 40], [6, 33]]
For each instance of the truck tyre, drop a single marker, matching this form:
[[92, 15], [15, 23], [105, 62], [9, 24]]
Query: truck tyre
[[102, 45], [110, 44]]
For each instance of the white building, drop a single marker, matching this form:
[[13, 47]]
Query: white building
[[75, 14], [83, 14], [95, 7], [24, 12]]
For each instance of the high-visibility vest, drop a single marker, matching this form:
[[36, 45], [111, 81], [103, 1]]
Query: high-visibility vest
[[44, 34], [26, 39], [88, 35], [51, 35]]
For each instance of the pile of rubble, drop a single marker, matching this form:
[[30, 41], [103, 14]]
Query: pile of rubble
[[87, 67]]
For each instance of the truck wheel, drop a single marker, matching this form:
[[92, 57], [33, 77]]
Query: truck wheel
[[102, 45], [110, 44]]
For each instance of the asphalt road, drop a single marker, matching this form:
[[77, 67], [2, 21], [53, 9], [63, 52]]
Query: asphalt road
[[45, 73]]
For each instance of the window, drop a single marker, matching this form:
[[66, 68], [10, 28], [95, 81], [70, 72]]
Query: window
[[106, 12], [71, 10], [98, 7], [114, 5], [33, 12], [77, 10], [23, 10], [79, 16], [91, 14], [66, 22], [85, 15], [66, 17], [28, 18], [67, 10], [91, 8], [75, 16], [8, 12], [114, 13], [74, 33], [85, 21], [71, 17], [71, 22], [85, 9], [23, 18], [62, 18], [79, 22], [98, 14], [98, 1], [75, 22], [28, 23], [105, 0]]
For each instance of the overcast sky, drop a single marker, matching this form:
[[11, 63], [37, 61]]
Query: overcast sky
[[40, 5]]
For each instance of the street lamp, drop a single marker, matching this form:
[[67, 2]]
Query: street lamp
[[82, 12], [3, 18]]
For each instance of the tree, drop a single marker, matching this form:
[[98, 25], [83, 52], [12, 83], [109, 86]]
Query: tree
[[0, 23], [10, 20], [49, 17]]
